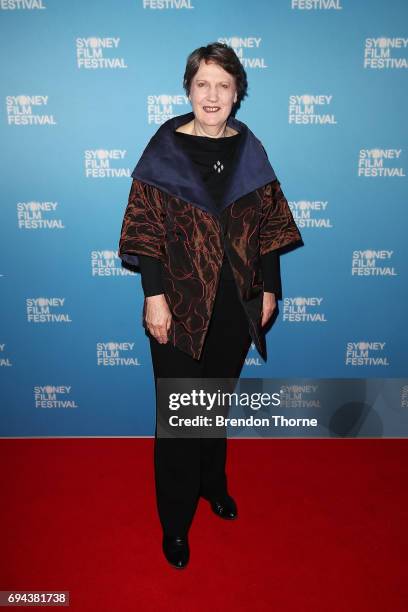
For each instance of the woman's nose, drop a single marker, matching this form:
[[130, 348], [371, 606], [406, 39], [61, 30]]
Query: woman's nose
[[212, 94]]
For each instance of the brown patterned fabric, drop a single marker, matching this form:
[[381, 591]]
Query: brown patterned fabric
[[190, 243]]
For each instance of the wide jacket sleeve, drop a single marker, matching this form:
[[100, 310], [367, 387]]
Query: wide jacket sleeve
[[277, 225], [142, 229]]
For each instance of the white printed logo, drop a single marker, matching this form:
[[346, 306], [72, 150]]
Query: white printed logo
[[27, 110], [378, 53], [252, 358], [303, 310], [322, 5], [5, 362], [366, 354], [108, 263], [299, 396], [310, 213], [91, 53], [38, 215], [116, 354], [247, 49], [105, 163], [310, 109], [46, 310], [364, 263], [51, 396], [379, 163], [22, 5], [167, 4], [161, 108]]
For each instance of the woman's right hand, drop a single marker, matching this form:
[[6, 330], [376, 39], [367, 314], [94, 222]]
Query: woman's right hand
[[158, 317]]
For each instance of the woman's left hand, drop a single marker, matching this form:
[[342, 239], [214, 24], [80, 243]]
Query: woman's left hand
[[268, 306]]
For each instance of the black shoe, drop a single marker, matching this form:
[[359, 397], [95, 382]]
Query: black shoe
[[226, 508], [176, 550]]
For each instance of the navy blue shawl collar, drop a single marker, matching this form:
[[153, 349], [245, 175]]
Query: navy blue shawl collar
[[164, 164]]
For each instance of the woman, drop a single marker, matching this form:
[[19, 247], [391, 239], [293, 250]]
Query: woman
[[204, 222]]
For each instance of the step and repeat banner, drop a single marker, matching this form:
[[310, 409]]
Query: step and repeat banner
[[84, 85]]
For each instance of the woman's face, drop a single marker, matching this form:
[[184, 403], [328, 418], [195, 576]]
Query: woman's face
[[212, 94]]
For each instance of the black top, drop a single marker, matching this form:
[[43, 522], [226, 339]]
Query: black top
[[214, 159]]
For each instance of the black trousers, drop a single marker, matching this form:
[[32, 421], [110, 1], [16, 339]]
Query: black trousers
[[187, 468]]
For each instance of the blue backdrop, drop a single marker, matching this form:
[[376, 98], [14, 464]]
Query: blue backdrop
[[86, 84]]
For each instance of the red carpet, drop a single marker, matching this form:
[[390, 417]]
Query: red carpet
[[322, 526]]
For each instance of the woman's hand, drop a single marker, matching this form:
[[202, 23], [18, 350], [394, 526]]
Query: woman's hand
[[268, 306], [158, 317]]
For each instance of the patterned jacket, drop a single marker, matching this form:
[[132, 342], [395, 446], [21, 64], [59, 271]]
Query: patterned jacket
[[171, 216]]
